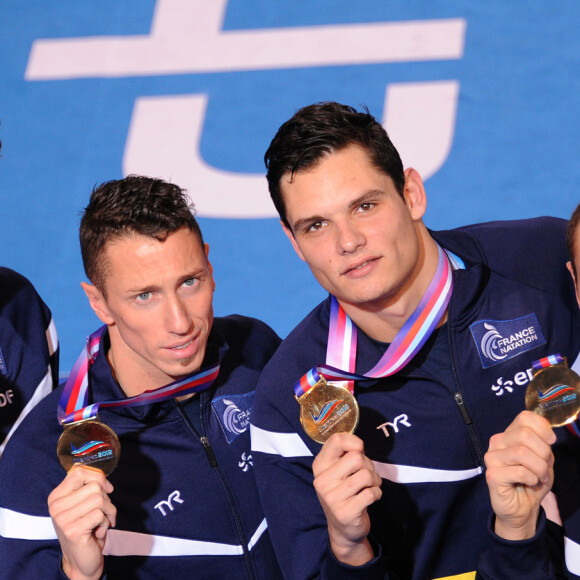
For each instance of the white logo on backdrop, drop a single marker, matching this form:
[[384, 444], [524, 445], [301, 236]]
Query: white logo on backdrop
[[187, 38]]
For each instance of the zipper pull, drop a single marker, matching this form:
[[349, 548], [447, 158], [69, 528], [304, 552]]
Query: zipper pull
[[208, 451], [462, 408]]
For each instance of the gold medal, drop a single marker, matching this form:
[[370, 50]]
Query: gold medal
[[328, 408], [554, 393], [89, 443]]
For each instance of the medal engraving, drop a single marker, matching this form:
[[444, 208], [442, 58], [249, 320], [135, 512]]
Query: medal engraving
[[89, 443], [554, 393], [326, 409]]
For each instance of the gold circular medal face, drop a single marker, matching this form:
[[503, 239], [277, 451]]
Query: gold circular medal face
[[554, 393], [326, 409], [89, 443]]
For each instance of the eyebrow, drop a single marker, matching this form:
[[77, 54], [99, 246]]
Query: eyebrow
[[143, 290], [303, 222], [364, 198], [155, 288]]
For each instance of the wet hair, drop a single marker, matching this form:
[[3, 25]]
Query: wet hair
[[571, 236], [133, 205], [319, 130]]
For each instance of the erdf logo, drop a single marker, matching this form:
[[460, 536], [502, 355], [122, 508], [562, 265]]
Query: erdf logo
[[503, 386], [6, 398]]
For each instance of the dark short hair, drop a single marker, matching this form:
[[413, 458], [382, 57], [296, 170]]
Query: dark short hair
[[571, 236], [135, 204], [318, 130]]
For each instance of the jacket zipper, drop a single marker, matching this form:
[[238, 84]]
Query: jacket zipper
[[459, 401], [462, 408], [205, 443], [208, 451]]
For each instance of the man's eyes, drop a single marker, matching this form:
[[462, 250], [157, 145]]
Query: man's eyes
[[314, 227]]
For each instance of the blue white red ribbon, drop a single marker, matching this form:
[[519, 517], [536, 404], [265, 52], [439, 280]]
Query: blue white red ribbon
[[341, 349], [547, 361]]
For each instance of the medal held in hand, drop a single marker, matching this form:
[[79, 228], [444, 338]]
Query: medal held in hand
[[326, 409], [554, 392], [89, 443]]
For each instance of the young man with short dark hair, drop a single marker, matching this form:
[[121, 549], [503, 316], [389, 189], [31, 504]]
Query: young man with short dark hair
[[435, 333]]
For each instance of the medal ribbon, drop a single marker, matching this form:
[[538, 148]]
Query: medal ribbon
[[547, 361], [73, 401], [341, 350], [342, 337]]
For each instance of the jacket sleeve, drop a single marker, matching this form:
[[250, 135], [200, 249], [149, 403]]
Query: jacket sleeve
[[28, 350], [537, 558], [29, 547]]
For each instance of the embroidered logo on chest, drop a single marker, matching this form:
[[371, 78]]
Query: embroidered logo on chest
[[395, 424], [501, 340], [233, 413], [168, 505]]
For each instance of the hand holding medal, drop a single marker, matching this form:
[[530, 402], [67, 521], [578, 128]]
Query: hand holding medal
[[554, 392]]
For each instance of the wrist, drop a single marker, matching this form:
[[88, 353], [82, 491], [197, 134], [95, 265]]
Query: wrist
[[516, 530], [73, 573], [353, 553]]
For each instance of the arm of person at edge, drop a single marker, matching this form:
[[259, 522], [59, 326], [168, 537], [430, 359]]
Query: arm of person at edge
[[82, 513], [520, 473], [346, 484]]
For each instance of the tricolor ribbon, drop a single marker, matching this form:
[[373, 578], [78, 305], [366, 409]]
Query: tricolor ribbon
[[547, 361], [73, 404], [341, 349]]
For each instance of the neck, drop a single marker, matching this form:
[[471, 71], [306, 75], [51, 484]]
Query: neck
[[128, 384], [133, 377], [383, 319]]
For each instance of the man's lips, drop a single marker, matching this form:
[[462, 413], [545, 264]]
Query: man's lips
[[360, 267], [185, 348]]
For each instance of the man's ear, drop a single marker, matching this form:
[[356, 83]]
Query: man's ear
[[292, 239], [414, 193], [571, 270], [98, 303]]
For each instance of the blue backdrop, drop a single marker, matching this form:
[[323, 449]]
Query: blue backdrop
[[480, 97]]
